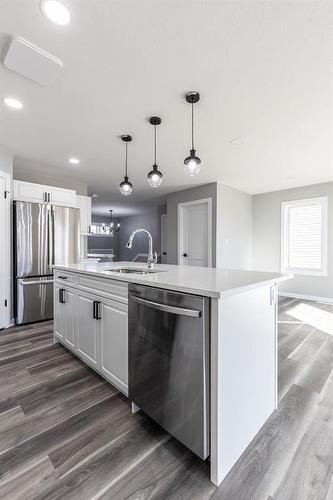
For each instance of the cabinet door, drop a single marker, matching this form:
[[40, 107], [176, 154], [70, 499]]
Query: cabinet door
[[84, 204], [114, 343], [62, 197], [70, 324], [28, 191], [87, 339], [59, 313]]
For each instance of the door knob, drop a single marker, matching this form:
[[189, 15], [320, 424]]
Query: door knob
[[184, 254]]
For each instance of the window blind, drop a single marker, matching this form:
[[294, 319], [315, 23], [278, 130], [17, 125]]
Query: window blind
[[305, 237]]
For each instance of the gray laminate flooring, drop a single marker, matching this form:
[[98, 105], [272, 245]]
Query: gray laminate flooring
[[65, 433]]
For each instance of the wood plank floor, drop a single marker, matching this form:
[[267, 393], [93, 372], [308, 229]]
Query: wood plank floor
[[66, 433]]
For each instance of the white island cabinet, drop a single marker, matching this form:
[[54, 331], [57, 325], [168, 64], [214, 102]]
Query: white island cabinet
[[91, 320]]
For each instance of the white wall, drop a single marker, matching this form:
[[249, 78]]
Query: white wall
[[6, 161], [58, 178], [234, 228], [267, 238]]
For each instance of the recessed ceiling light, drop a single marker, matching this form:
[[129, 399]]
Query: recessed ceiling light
[[13, 103], [56, 11], [74, 161], [236, 141]]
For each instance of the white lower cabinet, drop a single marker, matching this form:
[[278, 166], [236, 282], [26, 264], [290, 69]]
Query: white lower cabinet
[[95, 328], [59, 313], [64, 315], [114, 342], [87, 338]]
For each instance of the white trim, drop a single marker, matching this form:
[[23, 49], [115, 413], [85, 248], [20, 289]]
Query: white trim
[[164, 220], [6, 233], [324, 300], [323, 200], [180, 224]]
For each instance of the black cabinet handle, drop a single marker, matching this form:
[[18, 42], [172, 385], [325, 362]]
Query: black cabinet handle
[[96, 304], [61, 296], [45, 196], [184, 254], [97, 310], [48, 197], [62, 277], [164, 253]]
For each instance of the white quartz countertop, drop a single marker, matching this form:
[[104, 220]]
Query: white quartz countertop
[[209, 282]]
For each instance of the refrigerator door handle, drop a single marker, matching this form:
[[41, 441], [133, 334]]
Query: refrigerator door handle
[[51, 238], [35, 282]]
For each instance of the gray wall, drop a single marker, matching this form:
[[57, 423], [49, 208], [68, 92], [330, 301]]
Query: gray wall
[[149, 221], [102, 242], [200, 192], [58, 178], [267, 238], [234, 228]]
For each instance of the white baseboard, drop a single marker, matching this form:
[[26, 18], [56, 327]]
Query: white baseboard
[[324, 300]]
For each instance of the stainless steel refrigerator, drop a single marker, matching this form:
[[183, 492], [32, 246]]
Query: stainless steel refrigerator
[[43, 235]]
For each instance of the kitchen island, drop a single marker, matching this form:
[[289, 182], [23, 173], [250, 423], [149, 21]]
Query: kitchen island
[[91, 319]]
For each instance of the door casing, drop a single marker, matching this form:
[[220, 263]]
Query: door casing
[[181, 227], [5, 285]]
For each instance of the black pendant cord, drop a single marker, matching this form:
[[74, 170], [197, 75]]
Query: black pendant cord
[[192, 127], [125, 159], [154, 144]]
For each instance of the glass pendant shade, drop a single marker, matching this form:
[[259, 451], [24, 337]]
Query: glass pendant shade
[[126, 187], [192, 163], [155, 177]]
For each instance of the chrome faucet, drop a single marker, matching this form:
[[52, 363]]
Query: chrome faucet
[[152, 256]]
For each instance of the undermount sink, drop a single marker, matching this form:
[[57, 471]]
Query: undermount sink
[[132, 270]]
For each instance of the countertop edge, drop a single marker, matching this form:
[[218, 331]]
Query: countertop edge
[[178, 288]]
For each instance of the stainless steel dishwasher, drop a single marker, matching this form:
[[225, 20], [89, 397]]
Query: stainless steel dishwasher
[[169, 362]]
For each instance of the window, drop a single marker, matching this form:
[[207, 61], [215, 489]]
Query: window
[[304, 236]]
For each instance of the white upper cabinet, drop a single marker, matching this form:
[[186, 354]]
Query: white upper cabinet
[[84, 204], [38, 193], [62, 197], [28, 191]]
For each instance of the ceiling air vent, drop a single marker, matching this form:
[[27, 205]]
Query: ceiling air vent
[[32, 62]]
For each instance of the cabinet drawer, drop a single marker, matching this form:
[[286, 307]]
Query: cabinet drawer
[[65, 277], [106, 287]]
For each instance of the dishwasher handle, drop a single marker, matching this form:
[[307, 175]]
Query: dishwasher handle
[[180, 311]]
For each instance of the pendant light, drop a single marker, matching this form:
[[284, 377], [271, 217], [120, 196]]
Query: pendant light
[[155, 177], [112, 226], [126, 187], [192, 162]]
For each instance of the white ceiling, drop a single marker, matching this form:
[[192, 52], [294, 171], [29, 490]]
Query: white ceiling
[[264, 70]]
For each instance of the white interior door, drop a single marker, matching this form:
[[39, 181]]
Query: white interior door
[[4, 250], [164, 238], [195, 233]]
